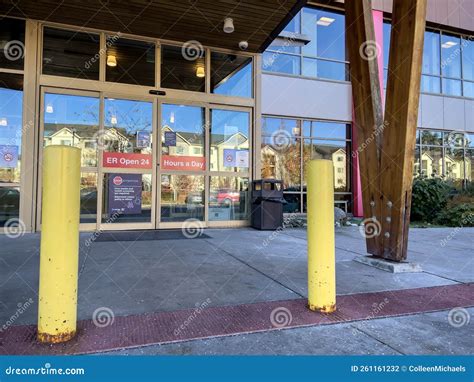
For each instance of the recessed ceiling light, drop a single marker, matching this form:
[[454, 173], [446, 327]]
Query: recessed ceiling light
[[325, 21], [448, 44], [228, 25], [111, 60]]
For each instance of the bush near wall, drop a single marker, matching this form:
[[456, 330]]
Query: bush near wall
[[437, 201]]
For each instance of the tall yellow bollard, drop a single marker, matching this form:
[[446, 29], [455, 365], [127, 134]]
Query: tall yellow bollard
[[321, 246], [57, 306]]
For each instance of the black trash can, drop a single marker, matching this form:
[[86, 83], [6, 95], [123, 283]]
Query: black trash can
[[267, 204]]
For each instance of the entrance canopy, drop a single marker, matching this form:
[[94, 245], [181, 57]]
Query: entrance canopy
[[255, 21]]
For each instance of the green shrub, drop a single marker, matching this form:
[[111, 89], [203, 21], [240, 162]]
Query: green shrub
[[457, 215], [429, 197]]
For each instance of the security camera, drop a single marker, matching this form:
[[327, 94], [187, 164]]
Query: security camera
[[243, 45]]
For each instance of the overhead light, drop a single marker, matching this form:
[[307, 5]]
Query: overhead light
[[3, 122], [325, 21], [448, 44], [200, 72], [228, 25], [172, 117], [113, 120], [49, 108], [111, 60]]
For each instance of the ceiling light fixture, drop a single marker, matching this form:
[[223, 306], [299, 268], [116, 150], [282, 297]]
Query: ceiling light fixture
[[228, 25], [3, 122], [325, 21], [113, 120], [49, 108], [111, 60], [200, 72]]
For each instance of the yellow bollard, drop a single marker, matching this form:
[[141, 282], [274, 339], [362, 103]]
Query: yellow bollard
[[57, 305], [321, 246]]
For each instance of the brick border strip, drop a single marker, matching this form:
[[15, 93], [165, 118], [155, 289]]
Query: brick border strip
[[184, 325]]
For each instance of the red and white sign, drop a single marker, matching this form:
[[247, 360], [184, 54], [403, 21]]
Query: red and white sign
[[183, 163], [117, 180], [127, 160]]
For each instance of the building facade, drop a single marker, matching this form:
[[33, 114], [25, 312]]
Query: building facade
[[175, 131]]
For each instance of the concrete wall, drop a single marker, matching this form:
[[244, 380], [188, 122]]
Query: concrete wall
[[307, 98]]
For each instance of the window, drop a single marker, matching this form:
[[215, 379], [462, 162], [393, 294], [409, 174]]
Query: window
[[12, 35], [288, 144], [324, 56], [231, 75], [183, 68], [71, 53], [444, 154], [11, 106], [130, 61], [448, 63]]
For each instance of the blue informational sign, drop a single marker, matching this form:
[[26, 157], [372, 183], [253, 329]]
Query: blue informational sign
[[143, 139], [8, 156], [170, 138], [125, 194]]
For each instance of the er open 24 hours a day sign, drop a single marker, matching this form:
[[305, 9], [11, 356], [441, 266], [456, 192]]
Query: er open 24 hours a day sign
[[127, 160]]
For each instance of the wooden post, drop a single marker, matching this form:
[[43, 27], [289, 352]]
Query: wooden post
[[363, 51], [386, 145], [401, 116]]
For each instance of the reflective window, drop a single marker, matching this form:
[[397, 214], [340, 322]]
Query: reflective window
[[280, 154], [71, 53], [88, 197], [450, 56], [183, 67], [324, 56], [73, 121], [12, 35], [182, 197], [183, 130], [228, 198], [130, 61], [11, 104], [281, 63], [468, 58], [431, 53], [127, 126], [231, 75], [432, 161], [452, 87], [430, 84], [230, 132]]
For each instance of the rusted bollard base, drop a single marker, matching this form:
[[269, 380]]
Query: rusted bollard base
[[55, 338]]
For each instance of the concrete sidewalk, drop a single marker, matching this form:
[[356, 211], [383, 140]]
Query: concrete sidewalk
[[230, 267]]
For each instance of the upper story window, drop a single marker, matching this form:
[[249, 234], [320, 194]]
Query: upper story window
[[320, 53], [12, 36], [448, 63]]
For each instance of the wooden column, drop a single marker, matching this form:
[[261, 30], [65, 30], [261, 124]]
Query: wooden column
[[386, 146], [360, 37], [401, 116]]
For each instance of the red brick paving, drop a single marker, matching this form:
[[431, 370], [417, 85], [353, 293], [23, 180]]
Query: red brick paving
[[164, 327]]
